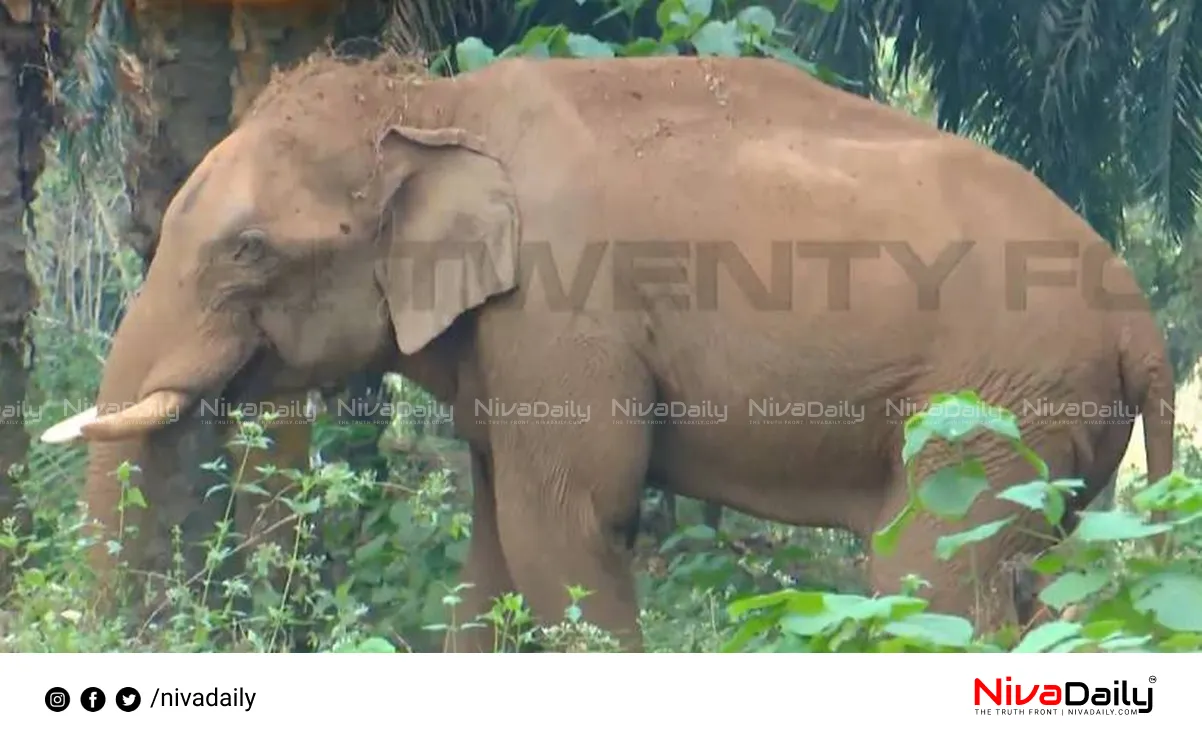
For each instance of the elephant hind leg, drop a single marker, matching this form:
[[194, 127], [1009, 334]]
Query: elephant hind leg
[[982, 580], [566, 496]]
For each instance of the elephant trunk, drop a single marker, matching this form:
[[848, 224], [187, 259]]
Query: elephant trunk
[[163, 359], [151, 355]]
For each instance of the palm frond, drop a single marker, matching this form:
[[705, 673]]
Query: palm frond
[[1168, 146], [90, 94]]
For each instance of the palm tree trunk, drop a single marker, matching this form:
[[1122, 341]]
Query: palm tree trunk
[[265, 36], [16, 291], [185, 51], [28, 50]]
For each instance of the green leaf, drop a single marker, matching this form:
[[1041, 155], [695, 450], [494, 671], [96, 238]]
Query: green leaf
[[946, 547], [1045, 636], [647, 47], [372, 645], [828, 6], [717, 39], [1112, 526], [804, 602], [699, 8], [669, 14], [759, 18], [1048, 563], [1033, 459], [836, 608], [1175, 599], [1102, 629], [938, 629], [588, 47], [1032, 494], [1073, 587], [1069, 646], [884, 541], [1174, 492], [472, 54], [916, 438], [133, 497], [1182, 642], [954, 417], [950, 492], [1120, 644]]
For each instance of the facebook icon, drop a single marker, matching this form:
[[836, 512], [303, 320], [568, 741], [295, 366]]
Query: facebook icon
[[92, 699]]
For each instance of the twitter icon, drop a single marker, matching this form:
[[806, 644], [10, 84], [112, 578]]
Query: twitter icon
[[128, 699]]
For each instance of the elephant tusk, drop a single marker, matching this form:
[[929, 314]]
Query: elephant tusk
[[70, 429], [153, 412]]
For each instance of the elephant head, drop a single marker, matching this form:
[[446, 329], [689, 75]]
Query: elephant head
[[317, 239]]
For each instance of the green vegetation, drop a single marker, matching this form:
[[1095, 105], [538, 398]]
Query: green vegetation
[[374, 558]]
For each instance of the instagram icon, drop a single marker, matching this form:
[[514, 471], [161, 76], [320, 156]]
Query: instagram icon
[[57, 699]]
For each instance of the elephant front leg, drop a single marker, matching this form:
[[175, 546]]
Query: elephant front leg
[[567, 495], [484, 570]]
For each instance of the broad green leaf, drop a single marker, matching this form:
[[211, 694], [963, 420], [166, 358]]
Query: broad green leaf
[[1030, 494], [954, 417], [759, 18], [836, 608], [588, 47], [1002, 422], [916, 436], [950, 492], [472, 54], [717, 39], [938, 629], [946, 547], [698, 8], [1182, 642], [1175, 599], [1121, 644], [804, 602], [884, 607], [670, 16], [1048, 563], [828, 6], [1101, 630], [1112, 526], [132, 497], [1045, 636], [748, 630], [1073, 587], [1039, 495]]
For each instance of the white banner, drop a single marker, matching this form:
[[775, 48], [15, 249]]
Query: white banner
[[544, 697]]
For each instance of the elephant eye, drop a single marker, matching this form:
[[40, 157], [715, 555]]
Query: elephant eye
[[251, 246]]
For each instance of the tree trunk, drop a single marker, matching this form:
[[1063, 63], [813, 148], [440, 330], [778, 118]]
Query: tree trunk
[[28, 50], [184, 48], [16, 292]]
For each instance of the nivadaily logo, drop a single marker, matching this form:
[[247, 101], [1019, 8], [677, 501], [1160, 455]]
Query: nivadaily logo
[[1068, 698]]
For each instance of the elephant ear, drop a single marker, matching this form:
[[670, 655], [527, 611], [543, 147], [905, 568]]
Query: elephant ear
[[454, 230]]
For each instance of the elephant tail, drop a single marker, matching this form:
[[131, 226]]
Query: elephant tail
[[1147, 379]]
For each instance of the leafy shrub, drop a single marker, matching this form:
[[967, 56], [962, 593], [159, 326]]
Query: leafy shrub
[[1130, 595]]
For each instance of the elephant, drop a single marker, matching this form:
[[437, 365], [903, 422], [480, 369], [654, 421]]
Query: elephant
[[368, 214]]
